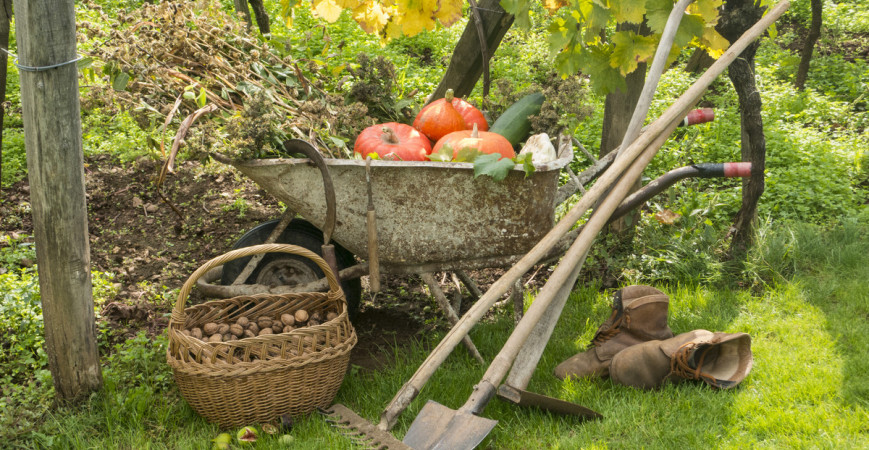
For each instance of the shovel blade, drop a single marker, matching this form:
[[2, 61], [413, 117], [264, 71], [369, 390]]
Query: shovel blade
[[439, 427]]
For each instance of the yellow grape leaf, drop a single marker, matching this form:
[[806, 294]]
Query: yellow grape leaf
[[392, 29], [414, 22], [707, 9], [449, 11], [715, 43], [631, 49], [630, 11], [349, 4], [430, 6], [370, 17], [328, 10]]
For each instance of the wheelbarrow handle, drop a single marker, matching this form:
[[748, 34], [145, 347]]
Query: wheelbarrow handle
[[305, 148]]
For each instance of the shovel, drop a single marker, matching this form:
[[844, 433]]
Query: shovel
[[412, 387], [439, 427], [513, 390]]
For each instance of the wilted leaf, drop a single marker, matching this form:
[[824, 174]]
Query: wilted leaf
[[371, 17], [449, 11], [667, 217]]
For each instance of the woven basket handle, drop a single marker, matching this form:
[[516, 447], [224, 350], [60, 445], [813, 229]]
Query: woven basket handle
[[178, 315]]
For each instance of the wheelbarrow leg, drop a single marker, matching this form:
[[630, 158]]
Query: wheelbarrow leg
[[469, 283], [444, 304], [518, 298]]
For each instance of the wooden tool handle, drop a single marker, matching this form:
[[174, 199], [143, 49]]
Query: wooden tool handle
[[373, 258]]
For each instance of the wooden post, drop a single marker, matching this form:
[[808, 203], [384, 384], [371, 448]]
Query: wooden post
[[52, 131], [5, 18]]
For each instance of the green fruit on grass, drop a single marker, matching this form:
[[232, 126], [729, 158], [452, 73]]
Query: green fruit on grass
[[246, 435], [286, 440], [221, 442]]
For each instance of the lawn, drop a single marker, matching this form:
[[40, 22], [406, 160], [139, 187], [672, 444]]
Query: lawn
[[802, 294]]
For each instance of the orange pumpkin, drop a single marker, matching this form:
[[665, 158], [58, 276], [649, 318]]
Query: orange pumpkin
[[471, 114], [482, 141], [393, 141], [439, 118]]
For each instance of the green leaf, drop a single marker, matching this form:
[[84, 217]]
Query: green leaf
[[604, 78], [493, 165], [525, 160], [338, 142], [561, 32], [84, 63], [201, 99], [707, 9], [690, 27], [521, 11], [630, 11], [657, 13], [468, 155], [631, 49], [597, 16], [444, 154], [119, 83], [569, 61]]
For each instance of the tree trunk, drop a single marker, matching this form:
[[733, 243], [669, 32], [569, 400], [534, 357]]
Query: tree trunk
[[618, 109], [466, 63], [809, 45], [262, 17], [737, 17], [241, 7], [5, 18], [699, 61], [55, 164]]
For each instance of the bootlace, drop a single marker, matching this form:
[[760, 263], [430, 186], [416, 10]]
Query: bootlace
[[680, 367], [602, 336]]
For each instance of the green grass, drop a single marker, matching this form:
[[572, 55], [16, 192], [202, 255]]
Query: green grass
[[808, 388], [802, 297]]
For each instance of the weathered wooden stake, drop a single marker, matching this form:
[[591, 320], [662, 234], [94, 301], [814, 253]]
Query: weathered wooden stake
[[52, 131]]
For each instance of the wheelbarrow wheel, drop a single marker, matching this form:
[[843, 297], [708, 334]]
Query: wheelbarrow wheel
[[281, 269]]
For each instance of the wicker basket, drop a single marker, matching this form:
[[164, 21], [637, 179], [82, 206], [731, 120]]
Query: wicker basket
[[256, 379]]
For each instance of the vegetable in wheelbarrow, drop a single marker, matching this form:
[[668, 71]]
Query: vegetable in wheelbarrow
[[393, 141]]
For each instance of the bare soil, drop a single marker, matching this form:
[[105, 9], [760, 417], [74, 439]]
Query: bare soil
[[151, 250]]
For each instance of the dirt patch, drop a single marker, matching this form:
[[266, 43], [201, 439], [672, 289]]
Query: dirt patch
[[140, 239]]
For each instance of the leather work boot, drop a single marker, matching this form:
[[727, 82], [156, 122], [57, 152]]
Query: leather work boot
[[639, 315], [721, 360]]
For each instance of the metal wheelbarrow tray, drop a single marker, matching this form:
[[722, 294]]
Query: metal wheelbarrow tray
[[431, 216]]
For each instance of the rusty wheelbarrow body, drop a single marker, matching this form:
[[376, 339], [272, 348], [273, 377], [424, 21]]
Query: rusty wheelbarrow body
[[431, 216]]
